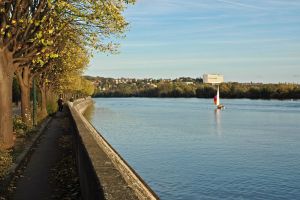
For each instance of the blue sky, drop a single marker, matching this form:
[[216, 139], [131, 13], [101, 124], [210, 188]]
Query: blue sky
[[246, 40]]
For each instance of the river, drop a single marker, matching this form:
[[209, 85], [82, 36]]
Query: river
[[184, 149]]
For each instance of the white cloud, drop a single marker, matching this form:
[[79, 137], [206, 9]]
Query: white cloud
[[241, 5]]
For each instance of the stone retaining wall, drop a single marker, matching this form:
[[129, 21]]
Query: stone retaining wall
[[90, 144]]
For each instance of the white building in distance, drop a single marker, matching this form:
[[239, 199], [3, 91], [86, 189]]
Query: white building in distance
[[213, 78]]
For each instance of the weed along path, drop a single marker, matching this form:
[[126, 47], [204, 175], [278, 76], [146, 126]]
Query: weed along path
[[50, 172]]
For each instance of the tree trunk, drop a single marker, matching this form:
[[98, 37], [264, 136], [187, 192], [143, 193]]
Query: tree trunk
[[23, 76], [25, 105], [43, 90], [6, 80]]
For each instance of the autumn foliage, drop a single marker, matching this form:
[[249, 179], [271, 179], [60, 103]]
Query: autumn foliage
[[51, 42]]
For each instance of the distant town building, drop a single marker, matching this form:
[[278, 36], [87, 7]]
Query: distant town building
[[189, 83], [213, 78], [96, 83]]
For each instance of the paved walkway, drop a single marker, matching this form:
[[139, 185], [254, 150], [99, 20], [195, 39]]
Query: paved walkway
[[51, 173], [35, 182]]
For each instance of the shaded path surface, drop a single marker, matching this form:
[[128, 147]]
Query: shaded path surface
[[36, 181], [51, 171]]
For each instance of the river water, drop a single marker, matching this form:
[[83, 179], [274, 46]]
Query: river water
[[184, 149]]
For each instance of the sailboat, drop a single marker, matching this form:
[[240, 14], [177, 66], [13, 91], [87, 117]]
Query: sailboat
[[217, 99]]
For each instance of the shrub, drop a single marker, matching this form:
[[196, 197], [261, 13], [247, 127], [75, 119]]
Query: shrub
[[20, 128], [51, 106], [5, 162]]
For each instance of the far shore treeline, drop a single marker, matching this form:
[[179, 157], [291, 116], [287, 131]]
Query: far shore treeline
[[189, 87]]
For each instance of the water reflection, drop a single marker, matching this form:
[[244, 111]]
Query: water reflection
[[218, 124]]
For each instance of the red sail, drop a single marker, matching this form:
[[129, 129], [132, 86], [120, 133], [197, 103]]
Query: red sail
[[215, 100]]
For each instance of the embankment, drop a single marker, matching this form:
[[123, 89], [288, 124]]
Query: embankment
[[104, 174]]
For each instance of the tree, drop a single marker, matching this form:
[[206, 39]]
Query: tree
[[28, 28], [61, 73], [20, 24], [72, 58], [205, 91]]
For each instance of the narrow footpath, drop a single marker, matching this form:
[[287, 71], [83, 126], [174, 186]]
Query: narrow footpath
[[50, 172]]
